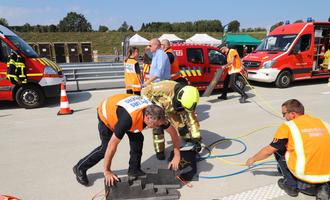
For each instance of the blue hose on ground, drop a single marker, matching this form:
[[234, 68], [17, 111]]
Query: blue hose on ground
[[239, 172], [209, 156], [225, 155]]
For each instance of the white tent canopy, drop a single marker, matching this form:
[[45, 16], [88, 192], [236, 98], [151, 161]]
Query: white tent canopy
[[137, 40], [170, 37], [203, 39]]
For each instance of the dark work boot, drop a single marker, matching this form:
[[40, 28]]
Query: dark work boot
[[323, 192], [243, 99], [80, 176], [160, 155], [197, 146], [293, 192], [222, 97], [135, 173]]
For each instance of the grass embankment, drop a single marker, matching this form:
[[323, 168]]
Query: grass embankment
[[105, 42]]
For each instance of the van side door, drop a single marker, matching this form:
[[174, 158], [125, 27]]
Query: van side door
[[302, 57], [195, 70]]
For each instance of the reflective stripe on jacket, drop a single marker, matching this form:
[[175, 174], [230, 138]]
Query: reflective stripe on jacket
[[132, 79], [308, 150]]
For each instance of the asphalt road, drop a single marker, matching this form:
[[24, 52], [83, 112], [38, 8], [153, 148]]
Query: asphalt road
[[38, 148]]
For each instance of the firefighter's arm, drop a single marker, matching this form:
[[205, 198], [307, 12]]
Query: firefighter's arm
[[175, 74], [150, 81], [110, 177], [230, 62], [174, 164], [193, 124], [262, 154]]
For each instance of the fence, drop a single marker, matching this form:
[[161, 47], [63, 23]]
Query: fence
[[94, 74]]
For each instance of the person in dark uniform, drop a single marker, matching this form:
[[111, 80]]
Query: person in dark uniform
[[117, 115]]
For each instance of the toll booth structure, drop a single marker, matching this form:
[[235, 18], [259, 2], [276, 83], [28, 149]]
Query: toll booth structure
[[73, 52], [45, 50], [86, 52], [60, 52]]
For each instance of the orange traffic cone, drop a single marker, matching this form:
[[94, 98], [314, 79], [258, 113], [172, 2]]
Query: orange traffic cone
[[6, 197], [64, 106]]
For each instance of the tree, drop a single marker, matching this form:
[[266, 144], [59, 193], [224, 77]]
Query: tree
[[143, 27], [74, 22], [52, 28], [131, 28], [123, 27], [276, 25], [233, 26], [103, 28], [3, 22]]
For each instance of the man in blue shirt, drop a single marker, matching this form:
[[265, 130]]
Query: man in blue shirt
[[160, 68]]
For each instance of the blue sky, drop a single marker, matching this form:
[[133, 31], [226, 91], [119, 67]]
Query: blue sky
[[111, 13]]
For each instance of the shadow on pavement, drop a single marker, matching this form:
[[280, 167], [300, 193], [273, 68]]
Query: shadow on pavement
[[72, 98], [202, 111]]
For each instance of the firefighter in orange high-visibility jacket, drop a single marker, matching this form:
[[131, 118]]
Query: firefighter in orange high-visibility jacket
[[179, 102], [132, 72], [301, 148], [16, 71]]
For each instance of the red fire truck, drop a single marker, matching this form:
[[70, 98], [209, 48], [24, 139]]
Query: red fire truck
[[199, 63], [43, 76], [291, 52]]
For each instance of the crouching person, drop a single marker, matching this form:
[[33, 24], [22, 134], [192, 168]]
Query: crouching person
[[301, 148], [117, 115]]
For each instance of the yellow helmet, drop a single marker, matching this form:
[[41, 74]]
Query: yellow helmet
[[188, 96]]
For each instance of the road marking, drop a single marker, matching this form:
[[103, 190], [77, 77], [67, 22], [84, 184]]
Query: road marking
[[261, 193], [325, 93]]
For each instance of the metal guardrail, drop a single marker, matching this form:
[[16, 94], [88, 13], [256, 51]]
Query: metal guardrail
[[78, 72], [93, 71]]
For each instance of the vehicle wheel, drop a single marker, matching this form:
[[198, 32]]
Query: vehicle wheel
[[29, 96], [240, 82], [284, 79]]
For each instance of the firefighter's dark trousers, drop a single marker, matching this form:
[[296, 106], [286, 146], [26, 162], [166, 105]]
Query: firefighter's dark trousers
[[136, 145]]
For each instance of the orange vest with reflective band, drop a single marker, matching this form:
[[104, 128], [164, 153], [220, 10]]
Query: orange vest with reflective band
[[132, 80], [133, 104], [308, 148], [146, 71], [174, 66], [237, 64]]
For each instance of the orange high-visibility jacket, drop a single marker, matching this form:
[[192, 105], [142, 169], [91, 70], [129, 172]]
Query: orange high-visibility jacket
[[146, 71], [132, 80], [237, 64], [133, 104], [174, 65], [308, 148]]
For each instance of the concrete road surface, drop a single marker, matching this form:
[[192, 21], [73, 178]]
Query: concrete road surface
[[38, 148]]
